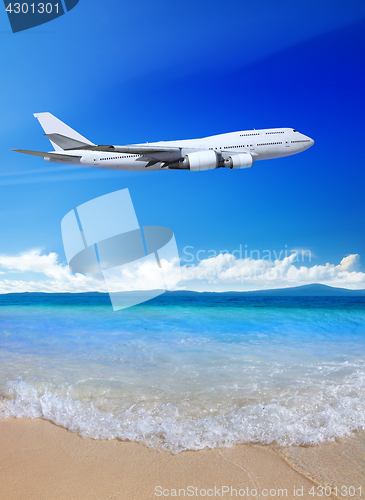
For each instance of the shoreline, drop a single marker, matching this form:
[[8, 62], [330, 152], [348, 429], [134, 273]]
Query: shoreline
[[41, 461]]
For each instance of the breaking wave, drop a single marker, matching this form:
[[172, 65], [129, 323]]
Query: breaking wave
[[321, 415]]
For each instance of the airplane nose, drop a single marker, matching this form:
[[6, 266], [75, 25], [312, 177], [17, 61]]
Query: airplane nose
[[308, 144]]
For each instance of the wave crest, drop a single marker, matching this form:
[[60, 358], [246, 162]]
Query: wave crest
[[321, 419]]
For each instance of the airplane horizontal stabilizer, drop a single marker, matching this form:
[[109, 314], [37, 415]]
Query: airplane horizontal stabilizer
[[65, 142], [51, 156]]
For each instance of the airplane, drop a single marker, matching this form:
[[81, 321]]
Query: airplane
[[234, 150]]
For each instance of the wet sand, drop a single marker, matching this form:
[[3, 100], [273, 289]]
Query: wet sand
[[41, 461]]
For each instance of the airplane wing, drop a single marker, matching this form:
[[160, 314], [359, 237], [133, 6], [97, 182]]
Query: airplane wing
[[135, 149], [51, 156]]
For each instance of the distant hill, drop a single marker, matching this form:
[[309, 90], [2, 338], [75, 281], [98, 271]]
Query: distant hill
[[315, 290]]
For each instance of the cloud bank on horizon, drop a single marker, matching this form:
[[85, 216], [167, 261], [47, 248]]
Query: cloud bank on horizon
[[35, 271]]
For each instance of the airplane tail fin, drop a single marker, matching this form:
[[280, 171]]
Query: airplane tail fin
[[62, 136]]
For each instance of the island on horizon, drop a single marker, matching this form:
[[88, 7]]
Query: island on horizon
[[312, 290]]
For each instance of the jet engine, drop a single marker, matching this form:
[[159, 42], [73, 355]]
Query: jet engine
[[240, 160], [200, 160]]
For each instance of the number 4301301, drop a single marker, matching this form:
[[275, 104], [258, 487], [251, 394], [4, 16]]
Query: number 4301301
[[342, 491], [24, 8]]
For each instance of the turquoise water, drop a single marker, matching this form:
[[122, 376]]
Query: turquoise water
[[186, 372]]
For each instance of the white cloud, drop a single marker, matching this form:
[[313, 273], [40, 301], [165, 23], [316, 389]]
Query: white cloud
[[143, 274], [349, 263], [54, 276], [248, 273], [221, 272]]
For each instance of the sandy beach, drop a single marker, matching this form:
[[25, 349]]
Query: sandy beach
[[41, 461]]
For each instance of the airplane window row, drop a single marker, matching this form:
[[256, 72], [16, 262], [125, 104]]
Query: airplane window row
[[269, 143], [277, 132], [230, 147], [255, 133], [116, 157], [305, 140]]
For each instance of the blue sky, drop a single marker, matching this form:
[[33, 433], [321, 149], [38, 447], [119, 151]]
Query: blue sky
[[120, 73]]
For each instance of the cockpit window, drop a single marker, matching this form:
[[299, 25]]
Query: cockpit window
[[295, 130]]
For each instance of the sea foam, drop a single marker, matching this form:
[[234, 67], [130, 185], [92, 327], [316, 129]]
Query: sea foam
[[324, 416]]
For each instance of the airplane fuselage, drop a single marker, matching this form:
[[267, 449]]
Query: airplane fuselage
[[261, 144], [235, 150]]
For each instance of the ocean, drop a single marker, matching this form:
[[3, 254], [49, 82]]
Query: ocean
[[185, 372]]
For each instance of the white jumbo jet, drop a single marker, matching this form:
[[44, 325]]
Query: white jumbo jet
[[233, 150]]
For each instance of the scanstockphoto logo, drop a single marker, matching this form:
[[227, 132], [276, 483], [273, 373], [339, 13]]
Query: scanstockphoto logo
[[26, 15], [102, 237]]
